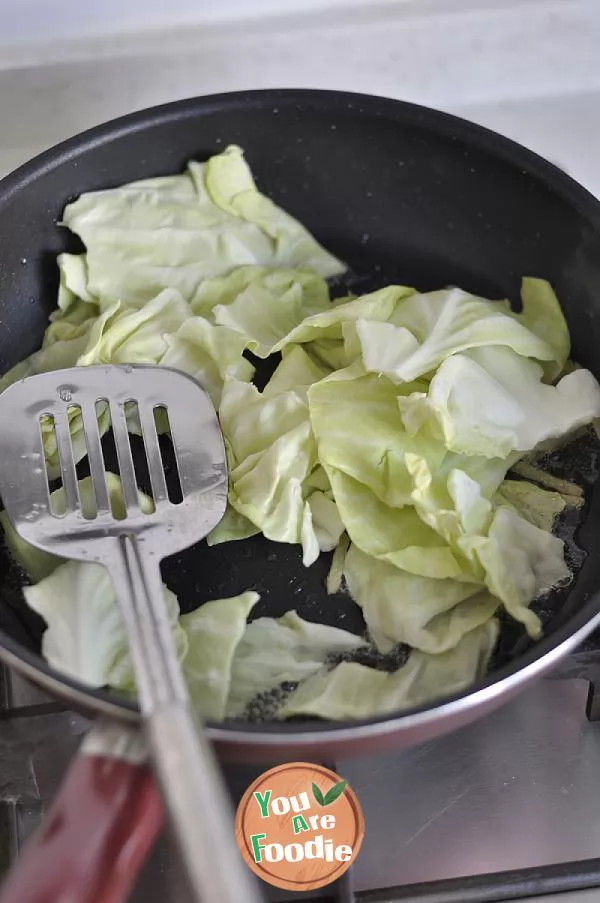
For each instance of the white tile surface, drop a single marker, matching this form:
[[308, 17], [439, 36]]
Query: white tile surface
[[564, 129]]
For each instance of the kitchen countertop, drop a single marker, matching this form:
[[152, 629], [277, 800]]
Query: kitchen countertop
[[528, 68]]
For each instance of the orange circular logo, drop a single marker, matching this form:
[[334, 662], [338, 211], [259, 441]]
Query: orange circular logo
[[299, 826]]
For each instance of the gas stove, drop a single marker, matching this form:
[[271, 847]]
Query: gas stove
[[505, 809]]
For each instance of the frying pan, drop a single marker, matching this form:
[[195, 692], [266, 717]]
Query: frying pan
[[402, 194]]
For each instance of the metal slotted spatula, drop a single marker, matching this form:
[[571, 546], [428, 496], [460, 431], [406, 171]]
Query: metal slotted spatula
[[69, 402]]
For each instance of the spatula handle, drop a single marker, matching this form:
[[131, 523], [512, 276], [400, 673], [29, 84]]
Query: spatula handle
[[98, 831], [192, 784]]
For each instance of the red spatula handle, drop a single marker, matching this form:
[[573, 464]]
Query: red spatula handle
[[96, 835]]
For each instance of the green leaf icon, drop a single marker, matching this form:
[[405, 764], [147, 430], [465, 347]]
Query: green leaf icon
[[318, 795], [333, 793]]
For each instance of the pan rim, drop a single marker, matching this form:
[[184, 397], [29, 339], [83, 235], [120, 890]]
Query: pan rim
[[545, 653], [327, 101], [274, 734]]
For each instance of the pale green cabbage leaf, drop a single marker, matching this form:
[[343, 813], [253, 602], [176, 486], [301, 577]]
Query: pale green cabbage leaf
[[425, 330], [492, 402], [210, 354], [232, 527], [272, 453], [515, 559], [539, 506], [274, 651], [174, 232], [73, 291], [214, 631], [268, 310], [395, 535], [335, 576], [296, 372], [423, 613], [63, 345], [137, 336], [85, 636], [353, 691], [278, 328], [542, 314], [38, 564], [521, 563], [359, 432], [270, 283]]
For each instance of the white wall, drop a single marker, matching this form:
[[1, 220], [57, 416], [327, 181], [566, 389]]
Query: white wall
[[22, 21]]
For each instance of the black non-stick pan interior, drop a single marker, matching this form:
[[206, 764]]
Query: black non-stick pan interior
[[402, 194]]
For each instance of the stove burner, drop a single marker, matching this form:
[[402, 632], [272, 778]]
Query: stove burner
[[506, 809]]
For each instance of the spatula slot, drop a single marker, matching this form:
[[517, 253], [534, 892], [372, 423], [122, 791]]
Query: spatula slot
[[168, 455], [112, 458], [65, 420], [94, 418], [138, 446], [64, 443], [49, 463], [79, 450]]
